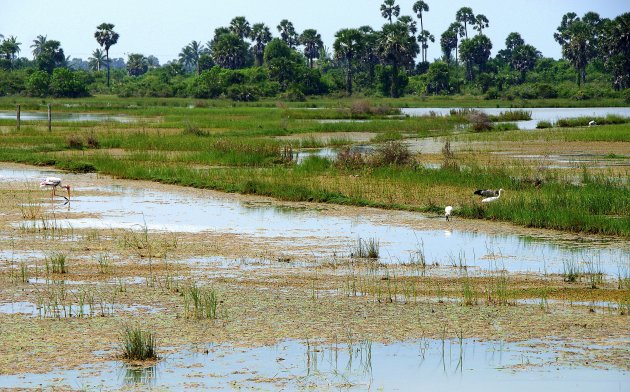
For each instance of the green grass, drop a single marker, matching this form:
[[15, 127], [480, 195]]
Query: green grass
[[200, 303], [138, 345]]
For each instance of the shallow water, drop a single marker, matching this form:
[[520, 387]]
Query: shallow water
[[71, 117], [434, 365], [327, 236], [538, 114]]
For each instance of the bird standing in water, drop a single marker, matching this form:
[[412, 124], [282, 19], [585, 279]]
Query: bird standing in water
[[53, 183], [448, 211]]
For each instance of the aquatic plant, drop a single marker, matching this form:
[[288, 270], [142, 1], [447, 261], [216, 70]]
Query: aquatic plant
[[56, 264], [138, 345], [366, 249], [200, 303]]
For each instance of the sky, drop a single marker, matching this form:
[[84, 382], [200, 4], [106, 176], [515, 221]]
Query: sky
[[162, 29]]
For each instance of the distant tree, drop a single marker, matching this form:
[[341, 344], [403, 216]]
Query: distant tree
[[240, 27], [288, 33], [65, 83], [97, 61], [420, 7], [410, 23], [466, 16], [615, 45], [438, 78], [397, 48], [230, 51], [190, 54], [38, 44], [348, 43], [137, 64], [153, 62], [481, 22], [10, 48], [312, 42], [475, 51], [448, 43], [389, 9], [37, 84], [579, 40], [524, 59], [106, 37], [260, 35], [424, 38], [51, 56]]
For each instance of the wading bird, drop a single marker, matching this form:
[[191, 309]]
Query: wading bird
[[592, 123], [491, 199], [448, 211], [487, 192], [53, 183]]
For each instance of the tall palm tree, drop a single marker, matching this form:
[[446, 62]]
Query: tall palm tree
[[419, 7], [466, 16], [312, 42], [459, 31], [397, 48], [348, 43], [189, 56], [288, 33], [10, 47], [240, 26], [424, 39], [481, 22], [38, 45], [261, 35], [137, 64], [97, 61], [389, 8], [106, 37]]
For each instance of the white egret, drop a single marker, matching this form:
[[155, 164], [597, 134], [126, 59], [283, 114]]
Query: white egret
[[448, 211], [491, 199]]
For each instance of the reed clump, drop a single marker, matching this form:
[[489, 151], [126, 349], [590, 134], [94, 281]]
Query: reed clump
[[138, 345]]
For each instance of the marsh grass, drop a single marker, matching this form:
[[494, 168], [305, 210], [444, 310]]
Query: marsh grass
[[366, 249], [200, 303], [469, 293], [104, 264], [512, 115], [138, 345], [56, 264], [571, 271]]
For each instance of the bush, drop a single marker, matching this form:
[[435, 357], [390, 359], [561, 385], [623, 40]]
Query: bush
[[92, 141], [243, 93], [479, 121], [392, 153], [626, 95], [543, 125], [74, 142], [37, 84], [348, 159]]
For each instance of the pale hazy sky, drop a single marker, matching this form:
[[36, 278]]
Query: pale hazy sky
[[162, 28]]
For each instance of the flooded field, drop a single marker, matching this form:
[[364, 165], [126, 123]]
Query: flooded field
[[297, 309], [538, 114], [71, 117]]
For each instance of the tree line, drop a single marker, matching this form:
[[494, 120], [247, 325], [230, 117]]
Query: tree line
[[244, 61]]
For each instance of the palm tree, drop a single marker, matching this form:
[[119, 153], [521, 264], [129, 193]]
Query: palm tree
[[419, 8], [448, 42], [287, 33], [312, 42], [481, 22], [240, 26], [389, 9], [261, 35], [10, 47], [424, 39], [396, 47], [38, 44], [348, 43], [466, 16], [189, 56], [411, 24], [106, 37], [97, 60], [137, 64], [459, 32]]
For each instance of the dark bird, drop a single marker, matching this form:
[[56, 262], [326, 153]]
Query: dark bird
[[487, 192]]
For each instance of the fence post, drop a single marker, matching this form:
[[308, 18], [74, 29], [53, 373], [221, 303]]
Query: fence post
[[49, 117], [17, 116]]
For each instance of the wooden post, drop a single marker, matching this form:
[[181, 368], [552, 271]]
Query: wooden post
[[17, 116], [49, 117]]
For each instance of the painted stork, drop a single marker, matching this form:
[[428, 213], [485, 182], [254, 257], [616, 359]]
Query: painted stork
[[53, 183]]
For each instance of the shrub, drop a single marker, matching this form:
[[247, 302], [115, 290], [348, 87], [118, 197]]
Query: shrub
[[74, 142], [392, 153], [626, 95], [92, 141], [348, 159], [479, 121], [543, 125]]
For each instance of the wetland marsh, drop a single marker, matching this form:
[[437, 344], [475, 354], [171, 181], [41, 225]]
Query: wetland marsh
[[199, 225]]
